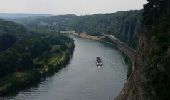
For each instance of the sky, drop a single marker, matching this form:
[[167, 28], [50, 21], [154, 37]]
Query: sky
[[79, 7]]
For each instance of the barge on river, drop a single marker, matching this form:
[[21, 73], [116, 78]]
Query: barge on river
[[99, 61]]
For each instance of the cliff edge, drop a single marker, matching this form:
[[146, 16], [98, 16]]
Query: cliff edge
[[151, 77]]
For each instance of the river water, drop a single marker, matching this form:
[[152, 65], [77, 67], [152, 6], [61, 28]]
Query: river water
[[81, 79]]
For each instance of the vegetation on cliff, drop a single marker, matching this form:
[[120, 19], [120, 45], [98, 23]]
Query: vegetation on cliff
[[156, 23], [151, 78]]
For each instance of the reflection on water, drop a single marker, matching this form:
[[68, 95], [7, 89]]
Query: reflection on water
[[99, 67], [82, 79]]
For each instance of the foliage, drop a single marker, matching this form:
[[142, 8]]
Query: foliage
[[125, 25], [156, 23], [156, 20], [19, 48], [6, 41]]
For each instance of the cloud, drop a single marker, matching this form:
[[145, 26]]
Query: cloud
[[68, 6]]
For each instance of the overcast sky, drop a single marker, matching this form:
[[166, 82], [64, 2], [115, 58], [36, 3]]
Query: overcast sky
[[79, 7]]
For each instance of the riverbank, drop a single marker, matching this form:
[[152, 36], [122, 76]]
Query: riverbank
[[86, 36], [81, 79], [21, 80], [126, 51]]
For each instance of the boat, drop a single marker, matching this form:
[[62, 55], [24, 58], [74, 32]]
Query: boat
[[99, 61]]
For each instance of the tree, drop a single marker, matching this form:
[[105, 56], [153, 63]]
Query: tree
[[6, 41]]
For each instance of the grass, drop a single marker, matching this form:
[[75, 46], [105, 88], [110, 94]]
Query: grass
[[55, 59]]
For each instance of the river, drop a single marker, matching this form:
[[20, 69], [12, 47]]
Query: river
[[81, 79]]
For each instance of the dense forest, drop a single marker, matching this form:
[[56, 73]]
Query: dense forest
[[156, 24], [26, 53], [125, 25]]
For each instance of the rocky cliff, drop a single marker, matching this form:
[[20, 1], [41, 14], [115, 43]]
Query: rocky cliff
[[151, 78]]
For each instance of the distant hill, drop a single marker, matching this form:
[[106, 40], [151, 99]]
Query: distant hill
[[9, 27], [125, 25], [21, 15]]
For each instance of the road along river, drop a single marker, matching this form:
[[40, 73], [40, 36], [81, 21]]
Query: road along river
[[81, 79]]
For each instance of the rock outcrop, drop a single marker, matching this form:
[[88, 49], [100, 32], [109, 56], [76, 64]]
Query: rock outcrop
[[151, 78]]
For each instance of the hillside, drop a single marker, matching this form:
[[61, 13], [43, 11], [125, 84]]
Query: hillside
[[11, 27], [125, 25], [151, 78], [26, 56], [10, 33]]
